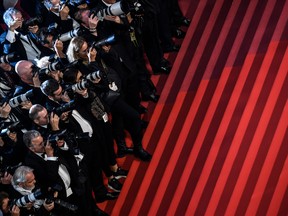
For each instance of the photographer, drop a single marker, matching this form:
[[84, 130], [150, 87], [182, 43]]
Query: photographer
[[12, 151], [5, 208], [25, 195], [59, 166], [17, 40], [99, 152], [46, 123], [123, 113]]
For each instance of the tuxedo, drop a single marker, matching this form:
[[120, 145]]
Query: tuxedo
[[18, 47]]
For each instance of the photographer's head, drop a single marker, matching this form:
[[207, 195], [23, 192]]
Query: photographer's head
[[24, 69], [24, 178], [52, 90], [39, 115], [34, 141], [4, 202], [72, 75], [77, 50], [13, 18]]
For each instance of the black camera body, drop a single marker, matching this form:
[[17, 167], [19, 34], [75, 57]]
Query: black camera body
[[64, 108], [104, 42], [8, 169], [54, 138], [12, 128]]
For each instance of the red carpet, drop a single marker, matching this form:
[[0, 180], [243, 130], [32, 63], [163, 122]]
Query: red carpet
[[219, 133]]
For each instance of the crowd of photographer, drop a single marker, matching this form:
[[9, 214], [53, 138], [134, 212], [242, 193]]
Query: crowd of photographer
[[72, 78]]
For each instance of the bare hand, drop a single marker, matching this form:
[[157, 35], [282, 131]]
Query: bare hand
[[113, 86], [13, 136], [106, 48], [5, 66], [15, 211], [115, 19], [5, 110], [16, 24], [93, 21], [49, 150], [92, 53], [36, 80], [54, 121], [33, 29], [6, 179], [64, 116], [64, 13], [84, 92], [26, 105], [49, 206]]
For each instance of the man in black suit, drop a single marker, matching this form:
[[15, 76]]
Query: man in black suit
[[59, 166], [16, 40]]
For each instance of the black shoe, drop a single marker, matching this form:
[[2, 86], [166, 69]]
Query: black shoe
[[171, 48], [107, 196], [141, 109], [124, 150], [142, 154], [152, 97], [178, 33], [183, 22], [120, 173], [114, 185], [162, 70]]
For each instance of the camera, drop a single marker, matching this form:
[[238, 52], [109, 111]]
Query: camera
[[53, 66], [80, 86], [50, 198], [11, 57], [69, 35], [24, 200], [16, 101], [96, 76], [12, 128], [104, 42], [54, 138], [64, 108], [8, 169], [6, 98], [115, 9]]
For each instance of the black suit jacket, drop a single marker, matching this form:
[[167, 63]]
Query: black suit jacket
[[18, 47]]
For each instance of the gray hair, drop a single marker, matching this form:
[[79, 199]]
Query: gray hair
[[28, 136], [19, 175], [8, 15]]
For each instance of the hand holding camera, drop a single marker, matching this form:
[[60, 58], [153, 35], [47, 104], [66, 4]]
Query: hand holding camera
[[5, 110], [92, 53], [16, 24], [49, 150], [64, 13], [15, 211], [54, 121], [6, 179]]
